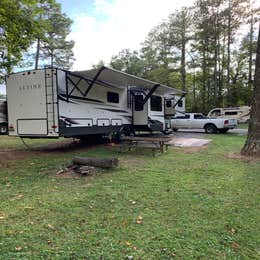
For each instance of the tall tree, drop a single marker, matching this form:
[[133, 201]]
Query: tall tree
[[128, 62], [234, 15], [252, 145], [19, 27], [179, 35], [54, 46]]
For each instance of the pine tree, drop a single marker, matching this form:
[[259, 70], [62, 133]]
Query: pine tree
[[252, 145], [54, 47]]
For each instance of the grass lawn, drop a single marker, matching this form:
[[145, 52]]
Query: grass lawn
[[242, 126], [179, 205]]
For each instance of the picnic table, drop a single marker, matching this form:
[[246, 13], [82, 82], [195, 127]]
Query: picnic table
[[154, 143]]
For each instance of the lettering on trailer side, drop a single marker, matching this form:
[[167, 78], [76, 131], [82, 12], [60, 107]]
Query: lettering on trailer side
[[29, 87]]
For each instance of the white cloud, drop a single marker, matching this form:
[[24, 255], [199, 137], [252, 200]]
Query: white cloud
[[116, 25]]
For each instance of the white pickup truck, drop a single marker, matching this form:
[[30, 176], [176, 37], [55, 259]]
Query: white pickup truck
[[199, 121]]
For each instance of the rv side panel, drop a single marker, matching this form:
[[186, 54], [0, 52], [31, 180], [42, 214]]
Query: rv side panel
[[32, 103]]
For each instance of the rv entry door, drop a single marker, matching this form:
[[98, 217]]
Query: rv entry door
[[140, 110]]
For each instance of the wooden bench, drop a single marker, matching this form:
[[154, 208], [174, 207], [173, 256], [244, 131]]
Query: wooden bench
[[156, 144]]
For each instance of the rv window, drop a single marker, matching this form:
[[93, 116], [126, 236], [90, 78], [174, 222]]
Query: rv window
[[139, 102], [168, 103], [231, 113], [112, 97], [180, 103], [156, 103]]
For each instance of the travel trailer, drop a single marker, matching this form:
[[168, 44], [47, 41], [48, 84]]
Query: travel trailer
[[3, 117], [242, 114], [52, 102]]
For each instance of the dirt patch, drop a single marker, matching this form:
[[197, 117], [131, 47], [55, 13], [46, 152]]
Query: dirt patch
[[195, 149], [67, 174], [243, 158], [12, 155], [8, 155]]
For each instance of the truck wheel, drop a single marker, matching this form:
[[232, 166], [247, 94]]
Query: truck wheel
[[223, 131], [3, 129], [210, 129], [175, 129]]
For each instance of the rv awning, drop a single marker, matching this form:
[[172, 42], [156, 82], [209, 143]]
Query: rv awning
[[120, 79]]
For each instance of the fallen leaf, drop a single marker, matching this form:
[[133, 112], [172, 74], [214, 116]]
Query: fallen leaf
[[235, 245], [124, 223], [50, 226], [232, 230], [28, 208], [60, 172], [139, 220], [128, 243]]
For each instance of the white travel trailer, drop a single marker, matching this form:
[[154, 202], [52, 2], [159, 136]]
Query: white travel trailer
[[3, 117], [242, 114], [53, 102]]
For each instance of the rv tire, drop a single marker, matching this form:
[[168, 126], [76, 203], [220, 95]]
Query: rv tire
[[3, 129], [125, 131]]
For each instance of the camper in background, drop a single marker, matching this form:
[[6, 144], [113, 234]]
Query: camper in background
[[242, 114], [3, 117]]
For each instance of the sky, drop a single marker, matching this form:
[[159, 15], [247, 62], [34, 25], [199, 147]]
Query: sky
[[102, 28]]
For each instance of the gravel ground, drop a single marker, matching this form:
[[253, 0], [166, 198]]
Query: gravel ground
[[200, 133]]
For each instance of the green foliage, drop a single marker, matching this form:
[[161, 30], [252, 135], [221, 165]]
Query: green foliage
[[18, 28], [197, 49], [128, 62], [54, 47], [26, 21]]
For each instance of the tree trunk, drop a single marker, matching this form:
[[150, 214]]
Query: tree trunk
[[252, 145], [228, 52], [96, 162], [37, 54], [250, 63], [183, 61]]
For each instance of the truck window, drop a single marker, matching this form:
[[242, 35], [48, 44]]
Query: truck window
[[112, 97], [183, 117], [199, 116], [156, 103]]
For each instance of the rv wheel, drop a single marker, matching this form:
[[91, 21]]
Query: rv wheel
[[123, 132], [3, 129]]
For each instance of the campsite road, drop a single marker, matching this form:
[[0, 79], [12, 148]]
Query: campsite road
[[200, 132]]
